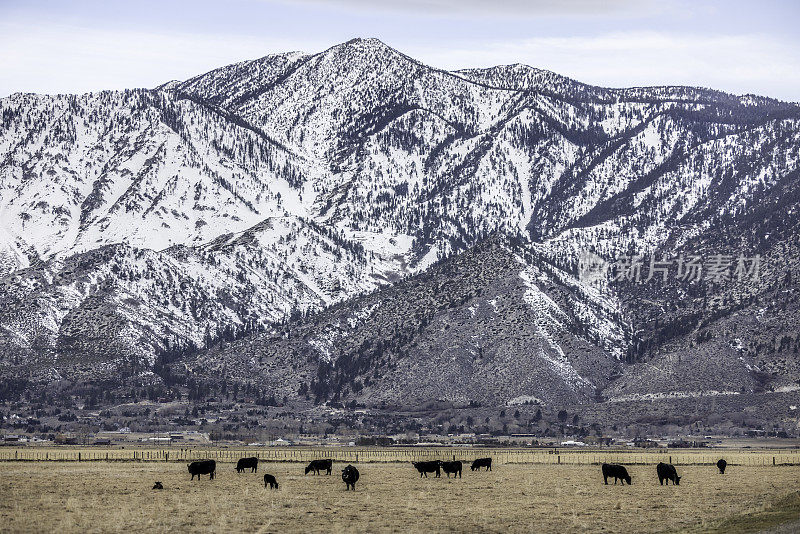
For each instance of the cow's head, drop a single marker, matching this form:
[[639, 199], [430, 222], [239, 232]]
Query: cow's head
[[308, 468], [628, 479], [677, 480]]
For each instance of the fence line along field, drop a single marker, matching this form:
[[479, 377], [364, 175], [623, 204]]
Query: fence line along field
[[743, 457], [115, 496]]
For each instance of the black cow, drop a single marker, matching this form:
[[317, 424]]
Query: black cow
[[721, 465], [452, 467], [350, 477], [247, 463], [158, 486], [203, 467], [270, 480], [667, 472], [618, 472], [482, 462], [428, 467], [320, 465]]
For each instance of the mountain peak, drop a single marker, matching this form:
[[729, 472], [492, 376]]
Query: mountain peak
[[365, 42], [366, 46]]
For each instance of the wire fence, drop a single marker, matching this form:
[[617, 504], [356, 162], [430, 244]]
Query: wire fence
[[406, 454]]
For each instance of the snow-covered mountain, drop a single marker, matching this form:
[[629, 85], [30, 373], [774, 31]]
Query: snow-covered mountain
[[290, 183]]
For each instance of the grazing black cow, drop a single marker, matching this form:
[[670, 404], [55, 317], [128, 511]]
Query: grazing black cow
[[481, 462], [320, 465], [158, 485], [452, 467], [428, 467], [618, 472], [667, 472], [247, 463], [203, 467], [721, 465], [350, 477], [270, 479]]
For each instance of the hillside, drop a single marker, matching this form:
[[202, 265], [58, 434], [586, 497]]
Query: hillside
[[387, 232]]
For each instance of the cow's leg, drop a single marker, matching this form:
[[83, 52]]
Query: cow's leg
[[605, 480]]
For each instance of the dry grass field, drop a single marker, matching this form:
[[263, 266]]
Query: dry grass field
[[116, 497]]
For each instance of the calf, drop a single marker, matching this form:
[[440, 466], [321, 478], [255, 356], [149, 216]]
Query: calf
[[481, 462], [452, 467], [203, 467], [428, 467], [158, 486], [247, 463], [350, 477], [270, 479], [618, 472], [320, 465], [721, 465], [667, 472]]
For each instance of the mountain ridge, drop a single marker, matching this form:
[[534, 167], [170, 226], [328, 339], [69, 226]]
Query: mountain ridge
[[279, 187]]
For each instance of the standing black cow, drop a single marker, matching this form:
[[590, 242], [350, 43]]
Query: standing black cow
[[452, 467], [721, 465], [482, 462], [320, 465], [667, 472], [428, 467], [618, 472], [350, 477], [203, 467], [270, 480], [247, 463]]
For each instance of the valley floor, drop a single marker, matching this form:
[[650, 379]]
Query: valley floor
[[117, 497]]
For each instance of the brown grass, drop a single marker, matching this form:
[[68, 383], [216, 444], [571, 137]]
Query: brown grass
[[116, 497]]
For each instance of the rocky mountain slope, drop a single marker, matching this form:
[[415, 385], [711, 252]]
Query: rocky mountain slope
[[223, 205]]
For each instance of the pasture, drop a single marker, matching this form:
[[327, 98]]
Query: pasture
[[102, 496]]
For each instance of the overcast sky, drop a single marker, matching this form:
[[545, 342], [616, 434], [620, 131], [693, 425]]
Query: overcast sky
[[79, 46]]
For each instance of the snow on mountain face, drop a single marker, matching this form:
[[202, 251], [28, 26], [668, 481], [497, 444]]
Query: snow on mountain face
[[296, 181], [135, 167], [119, 303]]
